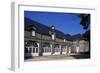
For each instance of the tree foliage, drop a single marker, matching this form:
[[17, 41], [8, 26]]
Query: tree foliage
[[87, 35], [85, 20]]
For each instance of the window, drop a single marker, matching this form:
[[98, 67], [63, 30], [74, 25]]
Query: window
[[64, 40], [53, 36], [33, 33]]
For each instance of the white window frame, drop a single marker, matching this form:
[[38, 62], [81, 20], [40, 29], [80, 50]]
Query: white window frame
[[64, 40], [53, 36], [33, 33]]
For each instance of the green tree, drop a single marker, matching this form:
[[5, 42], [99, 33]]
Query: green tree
[[85, 20]]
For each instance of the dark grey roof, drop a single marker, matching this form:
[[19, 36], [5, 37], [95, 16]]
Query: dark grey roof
[[78, 37], [43, 29], [40, 28], [68, 37]]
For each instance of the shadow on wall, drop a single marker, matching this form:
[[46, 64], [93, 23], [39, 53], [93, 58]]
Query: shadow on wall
[[28, 56], [82, 56]]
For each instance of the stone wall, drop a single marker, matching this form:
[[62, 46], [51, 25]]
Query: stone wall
[[84, 46]]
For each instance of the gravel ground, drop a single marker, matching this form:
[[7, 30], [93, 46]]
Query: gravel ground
[[59, 57], [54, 57]]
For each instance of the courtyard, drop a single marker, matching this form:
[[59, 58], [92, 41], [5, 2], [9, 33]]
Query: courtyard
[[59, 57]]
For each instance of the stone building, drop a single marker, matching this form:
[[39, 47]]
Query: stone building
[[40, 40]]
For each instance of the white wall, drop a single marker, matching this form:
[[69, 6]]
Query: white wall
[[5, 37]]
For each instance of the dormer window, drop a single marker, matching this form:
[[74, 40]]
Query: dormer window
[[64, 40], [33, 32], [52, 32], [53, 36], [33, 29]]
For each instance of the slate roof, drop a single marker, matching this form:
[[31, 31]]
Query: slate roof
[[78, 37], [68, 37], [43, 29], [40, 28]]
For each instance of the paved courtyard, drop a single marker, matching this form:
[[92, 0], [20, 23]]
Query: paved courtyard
[[54, 57], [58, 57]]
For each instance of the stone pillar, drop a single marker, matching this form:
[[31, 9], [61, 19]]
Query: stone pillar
[[66, 49], [38, 46], [77, 49], [28, 49], [35, 49], [51, 49], [40, 49], [69, 50], [44, 49], [60, 49], [32, 50]]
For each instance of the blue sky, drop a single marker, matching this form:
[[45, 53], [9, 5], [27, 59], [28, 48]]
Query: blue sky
[[68, 23]]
